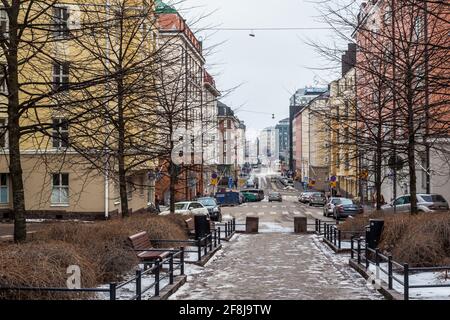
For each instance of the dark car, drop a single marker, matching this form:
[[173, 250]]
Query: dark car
[[317, 198], [346, 208], [259, 193], [275, 196], [214, 210]]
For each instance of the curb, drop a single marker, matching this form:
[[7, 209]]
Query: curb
[[334, 248], [387, 293], [206, 258], [171, 288]]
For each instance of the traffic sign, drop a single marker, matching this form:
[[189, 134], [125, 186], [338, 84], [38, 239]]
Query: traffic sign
[[333, 184], [333, 178]]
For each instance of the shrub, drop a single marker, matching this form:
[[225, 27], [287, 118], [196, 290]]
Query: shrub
[[101, 249]]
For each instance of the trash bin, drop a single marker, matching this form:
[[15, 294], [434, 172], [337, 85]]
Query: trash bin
[[201, 224], [373, 233]]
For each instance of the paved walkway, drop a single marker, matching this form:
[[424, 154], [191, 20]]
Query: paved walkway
[[276, 266]]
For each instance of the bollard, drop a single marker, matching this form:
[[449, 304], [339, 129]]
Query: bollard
[[251, 225], [300, 225]]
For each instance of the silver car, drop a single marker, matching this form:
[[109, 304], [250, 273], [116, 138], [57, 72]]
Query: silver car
[[425, 203], [328, 208]]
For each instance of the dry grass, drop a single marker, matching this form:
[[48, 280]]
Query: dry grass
[[420, 240], [101, 249]]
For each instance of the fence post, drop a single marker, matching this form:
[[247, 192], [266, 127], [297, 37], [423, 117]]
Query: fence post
[[182, 261], [219, 235], [352, 254], [359, 251], [171, 269], [205, 241], [315, 225], [157, 266], [406, 281], [226, 229], [138, 284], [234, 224], [320, 227], [335, 235], [366, 253], [215, 238], [390, 272], [229, 228], [325, 230], [210, 242], [339, 239], [112, 291], [199, 249]]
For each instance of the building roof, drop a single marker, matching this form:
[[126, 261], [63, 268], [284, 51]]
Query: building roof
[[161, 7]]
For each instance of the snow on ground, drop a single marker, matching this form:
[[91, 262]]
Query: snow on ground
[[422, 278], [275, 266]]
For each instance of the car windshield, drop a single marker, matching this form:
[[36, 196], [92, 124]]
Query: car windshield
[[346, 201], [181, 206], [274, 194], [318, 194], [433, 198], [207, 202]]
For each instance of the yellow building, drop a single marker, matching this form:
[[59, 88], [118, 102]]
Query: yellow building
[[69, 107], [343, 150]]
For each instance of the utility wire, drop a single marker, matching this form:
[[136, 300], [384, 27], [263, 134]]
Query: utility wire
[[265, 29]]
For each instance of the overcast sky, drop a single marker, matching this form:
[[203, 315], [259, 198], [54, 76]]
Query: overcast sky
[[266, 68]]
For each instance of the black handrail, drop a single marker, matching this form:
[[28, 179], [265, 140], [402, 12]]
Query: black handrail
[[404, 269]]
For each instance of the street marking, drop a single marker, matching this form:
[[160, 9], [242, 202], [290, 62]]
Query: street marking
[[297, 213], [264, 206], [261, 213], [285, 213], [273, 212]]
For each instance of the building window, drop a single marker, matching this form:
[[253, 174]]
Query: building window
[[3, 84], [60, 75], [60, 188], [60, 19], [4, 188], [60, 133], [3, 130], [4, 23]]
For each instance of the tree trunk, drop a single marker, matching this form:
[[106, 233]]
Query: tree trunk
[[15, 166], [121, 151], [173, 181]]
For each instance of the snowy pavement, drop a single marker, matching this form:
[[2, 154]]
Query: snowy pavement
[[276, 266]]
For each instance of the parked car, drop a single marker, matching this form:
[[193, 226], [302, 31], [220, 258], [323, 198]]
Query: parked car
[[346, 207], [275, 196], [425, 203], [250, 197], [317, 198], [305, 197], [258, 192], [215, 213], [188, 207], [328, 208], [274, 178]]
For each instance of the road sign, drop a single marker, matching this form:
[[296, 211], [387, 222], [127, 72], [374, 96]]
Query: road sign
[[333, 184], [214, 182]]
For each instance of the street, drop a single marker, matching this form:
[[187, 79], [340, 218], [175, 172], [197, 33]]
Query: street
[[274, 215]]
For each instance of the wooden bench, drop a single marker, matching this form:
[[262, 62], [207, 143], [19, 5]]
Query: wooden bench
[[141, 244], [190, 226]]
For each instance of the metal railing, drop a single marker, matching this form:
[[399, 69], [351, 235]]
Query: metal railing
[[229, 228], [203, 245], [365, 256], [157, 270]]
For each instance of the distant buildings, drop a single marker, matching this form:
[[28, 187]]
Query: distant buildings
[[284, 138], [268, 146], [297, 102]]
